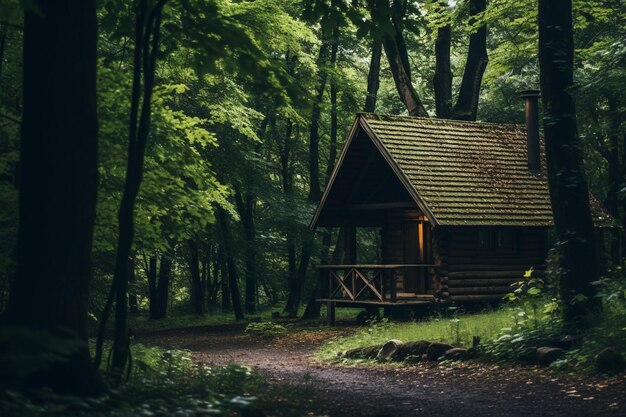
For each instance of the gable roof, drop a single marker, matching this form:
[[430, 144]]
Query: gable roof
[[463, 173]]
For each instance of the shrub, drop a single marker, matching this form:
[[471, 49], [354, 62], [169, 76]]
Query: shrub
[[266, 329]]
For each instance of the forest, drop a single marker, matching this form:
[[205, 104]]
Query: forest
[[161, 162]]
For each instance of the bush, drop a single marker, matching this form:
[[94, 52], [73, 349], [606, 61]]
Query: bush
[[162, 383], [266, 329], [536, 322]]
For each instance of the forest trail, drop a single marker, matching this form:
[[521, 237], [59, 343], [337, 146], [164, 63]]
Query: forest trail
[[405, 390]]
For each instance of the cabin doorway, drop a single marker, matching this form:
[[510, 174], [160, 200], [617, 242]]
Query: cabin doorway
[[408, 243]]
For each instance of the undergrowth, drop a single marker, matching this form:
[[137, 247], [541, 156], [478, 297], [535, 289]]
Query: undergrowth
[[165, 383], [511, 334]]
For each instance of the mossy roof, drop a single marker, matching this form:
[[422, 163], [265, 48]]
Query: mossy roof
[[468, 173]]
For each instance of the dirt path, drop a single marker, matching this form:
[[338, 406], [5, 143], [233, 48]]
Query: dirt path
[[416, 390]]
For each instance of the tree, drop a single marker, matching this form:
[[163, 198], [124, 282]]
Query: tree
[[58, 189], [569, 193]]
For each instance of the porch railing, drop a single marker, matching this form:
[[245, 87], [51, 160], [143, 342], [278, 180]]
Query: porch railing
[[365, 282]]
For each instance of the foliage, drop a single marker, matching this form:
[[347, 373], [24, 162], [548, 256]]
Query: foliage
[[26, 352], [536, 322], [266, 329], [609, 329], [163, 383]]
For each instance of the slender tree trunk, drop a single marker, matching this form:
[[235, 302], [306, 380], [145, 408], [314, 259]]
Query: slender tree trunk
[[616, 171], [389, 17], [57, 201], [3, 37], [224, 278], [197, 295], [230, 263], [205, 283], [466, 107], [373, 76], [133, 306], [403, 82], [147, 31], [442, 80], [163, 285], [568, 187], [245, 207], [305, 256], [152, 288], [313, 307], [315, 190]]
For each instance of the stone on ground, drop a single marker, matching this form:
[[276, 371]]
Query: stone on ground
[[546, 355], [411, 350], [369, 352], [610, 361], [436, 350], [388, 350], [456, 354]]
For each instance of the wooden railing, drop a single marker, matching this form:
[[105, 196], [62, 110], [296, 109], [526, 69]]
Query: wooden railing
[[364, 282]]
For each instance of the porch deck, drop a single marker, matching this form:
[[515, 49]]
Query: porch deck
[[370, 286]]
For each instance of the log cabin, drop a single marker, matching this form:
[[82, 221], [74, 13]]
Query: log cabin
[[463, 210]]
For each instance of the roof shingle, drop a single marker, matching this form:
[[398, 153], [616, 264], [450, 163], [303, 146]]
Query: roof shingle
[[469, 173]]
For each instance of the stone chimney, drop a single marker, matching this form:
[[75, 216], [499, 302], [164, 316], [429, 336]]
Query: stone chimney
[[532, 129]]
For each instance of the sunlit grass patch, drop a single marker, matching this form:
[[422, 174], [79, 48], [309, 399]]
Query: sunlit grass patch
[[454, 328]]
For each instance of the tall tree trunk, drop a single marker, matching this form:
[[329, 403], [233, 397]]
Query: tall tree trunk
[[197, 295], [313, 307], [57, 201], [616, 171], [466, 106], [3, 37], [568, 187], [373, 76], [133, 306], [403, 82], [147, 32], [287, 183], [230, 263], [153, 295], [315, 190], [221, 259], [442, 81], [295, 294], [245, 208], [163, 285]]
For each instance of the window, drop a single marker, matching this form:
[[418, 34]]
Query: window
[[505, 239], [497, 238]]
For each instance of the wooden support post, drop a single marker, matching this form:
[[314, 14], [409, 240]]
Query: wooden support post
[[394, 287], [330, 312], [350, 245]]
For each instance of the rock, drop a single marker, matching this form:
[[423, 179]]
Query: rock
[[275, 315], [369, 352], [411, 349], [610, 361], [436, 351], [546, 355], [388, 349], [456, 354]]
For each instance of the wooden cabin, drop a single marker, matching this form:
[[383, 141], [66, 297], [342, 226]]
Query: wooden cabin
[[463, 210]]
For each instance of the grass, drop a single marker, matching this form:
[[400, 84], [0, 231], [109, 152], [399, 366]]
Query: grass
[[456, 329], [143, 324]]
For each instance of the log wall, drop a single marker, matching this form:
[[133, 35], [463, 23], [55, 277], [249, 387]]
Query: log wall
[[468, 272]]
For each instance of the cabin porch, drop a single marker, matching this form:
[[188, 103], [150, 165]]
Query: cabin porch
[[371, 286], [401, 274]]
